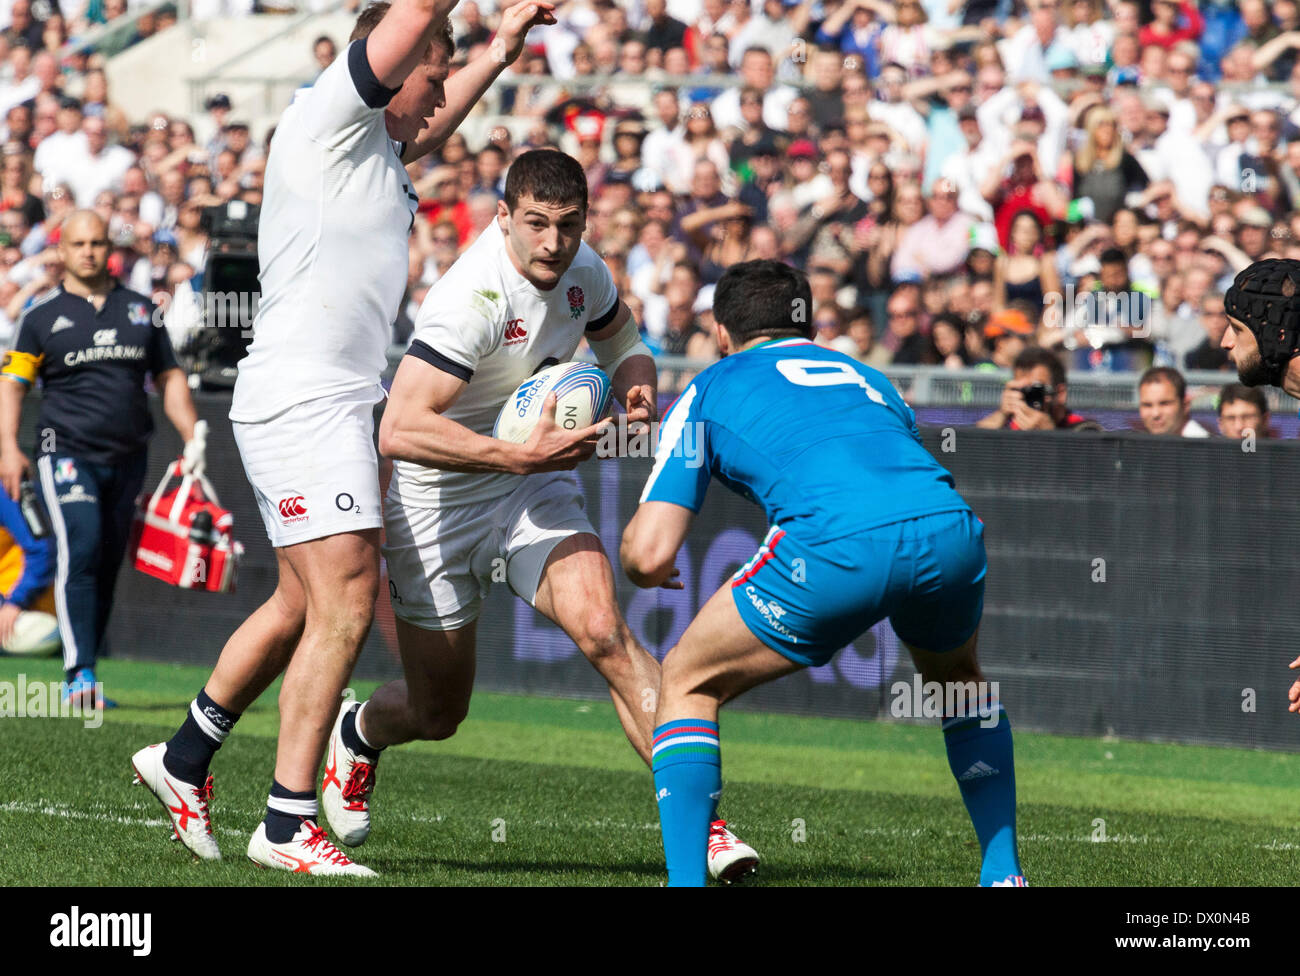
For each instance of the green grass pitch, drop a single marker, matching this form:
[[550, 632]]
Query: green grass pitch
[[547, 792]]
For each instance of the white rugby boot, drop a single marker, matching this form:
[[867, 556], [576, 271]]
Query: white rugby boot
[[185, 803], [310, 852], [730, 858], [346, 787]]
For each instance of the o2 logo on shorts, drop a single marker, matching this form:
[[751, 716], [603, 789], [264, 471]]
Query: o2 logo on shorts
[[346, 503], [293, 509]]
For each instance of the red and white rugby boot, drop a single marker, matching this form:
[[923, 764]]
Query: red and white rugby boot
[[185, 803], [346, 786], [310, 852], [730, 858]]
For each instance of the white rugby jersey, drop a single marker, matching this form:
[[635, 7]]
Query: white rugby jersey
[[332, 243], [486, 323]]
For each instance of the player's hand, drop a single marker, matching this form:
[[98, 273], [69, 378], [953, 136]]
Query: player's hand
[[14, 467], [8, 617], [640, 407], [516, 21], [673, 583], [552, 448], [1294, 693]]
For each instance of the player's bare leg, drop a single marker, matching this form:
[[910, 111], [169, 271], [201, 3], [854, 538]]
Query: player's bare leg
[[716, 659], [259, 651], [955, 665], [340, 576], [430, 702], [433, 697], [255, 655], [576, 592]]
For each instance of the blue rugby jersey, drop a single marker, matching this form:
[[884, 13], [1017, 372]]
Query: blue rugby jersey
[[823, 443]]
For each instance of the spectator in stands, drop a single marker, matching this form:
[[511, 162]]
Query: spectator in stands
[[1172, 22], [705, 205], [1025, 272], [824, 231], [15, 185], [1116, 318], [664, 31], [938, 243], [700, 142], [1027, 52], [1164, 406], [855, 29], [947, 342], [324, 50], [903, 338], [1104, 171], [1242, 409], [1035, 397], [1016, 183], [1210, 354], [684, 337], [23, 27], [756, 71]]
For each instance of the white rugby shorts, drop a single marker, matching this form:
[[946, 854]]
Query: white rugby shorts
[[313, 467], [441, 561]]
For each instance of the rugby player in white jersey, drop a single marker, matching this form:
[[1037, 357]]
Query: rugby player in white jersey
[[333, 250], [462, 504]]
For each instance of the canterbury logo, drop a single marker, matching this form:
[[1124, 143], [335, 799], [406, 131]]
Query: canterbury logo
[[293, 507], [515, 332]]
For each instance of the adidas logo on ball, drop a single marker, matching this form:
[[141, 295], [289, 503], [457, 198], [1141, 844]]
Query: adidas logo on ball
[[582, 393]]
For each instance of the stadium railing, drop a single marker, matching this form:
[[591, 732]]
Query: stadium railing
[[932, 386]]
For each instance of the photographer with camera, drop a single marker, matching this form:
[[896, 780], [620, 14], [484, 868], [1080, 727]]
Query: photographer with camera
[[1035, 397]]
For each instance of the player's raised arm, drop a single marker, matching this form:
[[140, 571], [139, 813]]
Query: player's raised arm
[[399, 43], [469, 84]]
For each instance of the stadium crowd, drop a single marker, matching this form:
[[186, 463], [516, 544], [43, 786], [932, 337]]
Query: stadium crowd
[[962, 181]]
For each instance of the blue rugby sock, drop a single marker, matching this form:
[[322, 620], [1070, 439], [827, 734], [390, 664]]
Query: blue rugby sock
[[982, 761], [687, 768]]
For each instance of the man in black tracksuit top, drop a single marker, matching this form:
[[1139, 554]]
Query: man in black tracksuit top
[[91, 342]]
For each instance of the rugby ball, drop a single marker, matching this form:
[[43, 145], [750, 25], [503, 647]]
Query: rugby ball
[[582, 393], [35, 634]]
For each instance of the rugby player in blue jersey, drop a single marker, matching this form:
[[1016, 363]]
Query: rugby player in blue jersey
[[865, 524]]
